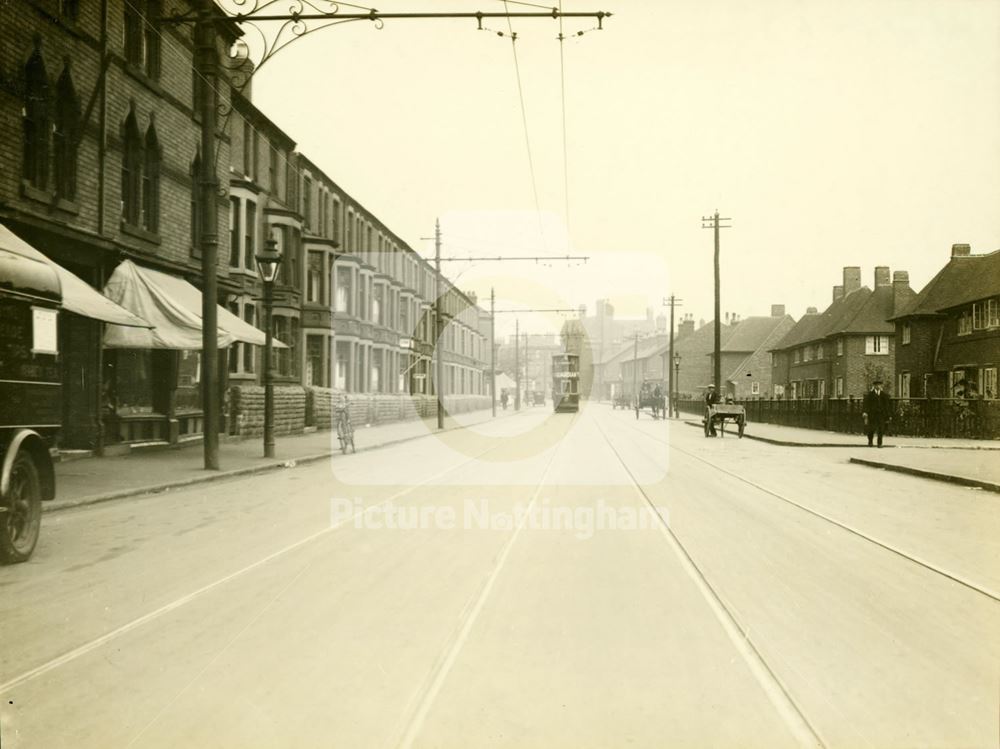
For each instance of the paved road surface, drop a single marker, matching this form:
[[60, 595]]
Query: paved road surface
[[560, 581]]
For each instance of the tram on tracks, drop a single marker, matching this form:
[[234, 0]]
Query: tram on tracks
[[566, 382]]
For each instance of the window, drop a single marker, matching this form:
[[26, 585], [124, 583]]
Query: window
[[250, 317], [141, 39], [905, 333], [807, 353], [377, 304], [69, 9], [131, 171], [314, 278], [343, 290], [307, 202], [250, 236], [993, 313], [838, 387], [978, 315], [151, 182], [964, 322], [755, 388], [35, 118], [234, 232], [66, 136], [272, 170], [819, 351], [797, 357], [903, 385], [877, 344], [293, 257], [840, 347], [988, 381], [314, 360]]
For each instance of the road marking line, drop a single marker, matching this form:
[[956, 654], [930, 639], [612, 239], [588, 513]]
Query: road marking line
[[97, 642], [774, 689], [469, 617]]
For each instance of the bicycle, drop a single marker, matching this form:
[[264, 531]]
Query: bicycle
[[345, 429]]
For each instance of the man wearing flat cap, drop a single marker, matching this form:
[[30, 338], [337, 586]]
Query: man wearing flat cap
[[876, 411]]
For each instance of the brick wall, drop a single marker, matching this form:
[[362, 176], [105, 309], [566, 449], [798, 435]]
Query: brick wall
[[298, 407]]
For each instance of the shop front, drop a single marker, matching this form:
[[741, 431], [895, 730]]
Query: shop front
[[153, 384]]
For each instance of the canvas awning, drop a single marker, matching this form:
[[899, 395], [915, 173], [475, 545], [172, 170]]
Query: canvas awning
[[174, 307], [77, 295]]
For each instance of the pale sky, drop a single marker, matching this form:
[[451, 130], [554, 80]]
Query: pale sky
[[841, 132]]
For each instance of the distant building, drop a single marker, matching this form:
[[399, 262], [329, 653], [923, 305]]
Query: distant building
[[746, 360], [838, 353], [948, 337]]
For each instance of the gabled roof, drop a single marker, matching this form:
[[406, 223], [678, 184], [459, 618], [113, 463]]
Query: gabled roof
[[962, 281], [816, 327], [699, 343], [874, 315], [776, 335], [749, 334]]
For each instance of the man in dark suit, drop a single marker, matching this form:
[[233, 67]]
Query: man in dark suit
[[711, 398], [876, 411]]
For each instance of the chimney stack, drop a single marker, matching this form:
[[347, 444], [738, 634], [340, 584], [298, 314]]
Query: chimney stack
[[686, 326], [901, 292], [852, 279], [881, 276], [961, 250], [838, 293], [777, 310], [583, 311]]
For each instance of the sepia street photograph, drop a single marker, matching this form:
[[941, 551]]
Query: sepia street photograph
[[499, 374]]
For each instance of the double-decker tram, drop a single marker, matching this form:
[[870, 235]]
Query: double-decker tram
[[566, 382]]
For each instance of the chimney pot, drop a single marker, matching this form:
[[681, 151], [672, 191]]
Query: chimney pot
[[882, 276], [901, 276], [811, 311], [961, 250], [852, 279]]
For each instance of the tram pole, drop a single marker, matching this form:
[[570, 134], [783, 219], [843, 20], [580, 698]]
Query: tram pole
[[439, 342], [517, 366], [493, 351]]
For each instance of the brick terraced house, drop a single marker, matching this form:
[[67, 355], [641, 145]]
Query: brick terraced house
[[837, 353], [948, 337]]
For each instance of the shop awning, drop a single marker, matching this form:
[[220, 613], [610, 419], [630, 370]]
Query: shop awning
[[174, 307], [77, 295]]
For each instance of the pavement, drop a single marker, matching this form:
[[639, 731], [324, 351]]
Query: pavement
[[972, 463], [572, 580], [147, 471]]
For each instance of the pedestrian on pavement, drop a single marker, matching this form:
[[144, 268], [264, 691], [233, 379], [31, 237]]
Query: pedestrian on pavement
[[711, 398], [876, 411], [503, 399]]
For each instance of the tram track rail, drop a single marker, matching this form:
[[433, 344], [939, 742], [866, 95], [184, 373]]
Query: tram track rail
[[791, 713], [140, 621], [930, 566]]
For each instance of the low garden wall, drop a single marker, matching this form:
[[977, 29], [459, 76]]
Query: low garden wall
[[297, 407]]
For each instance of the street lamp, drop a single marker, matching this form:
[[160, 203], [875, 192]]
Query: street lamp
[[677, 386], [268, 262]]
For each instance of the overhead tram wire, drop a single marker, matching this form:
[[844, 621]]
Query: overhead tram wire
[[524, 121], [562, 96]]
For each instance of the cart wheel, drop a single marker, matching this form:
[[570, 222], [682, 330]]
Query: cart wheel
[[20, 523]]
